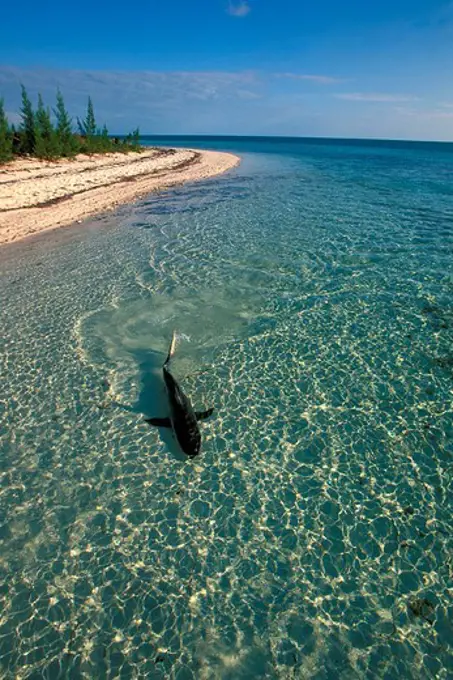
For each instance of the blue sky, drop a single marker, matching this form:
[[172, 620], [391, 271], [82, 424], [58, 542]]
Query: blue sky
[[292, 67]]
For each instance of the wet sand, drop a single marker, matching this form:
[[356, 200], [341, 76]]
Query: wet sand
[[36, 196]]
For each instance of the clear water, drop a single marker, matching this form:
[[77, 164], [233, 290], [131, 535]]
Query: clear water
[[312, 538]]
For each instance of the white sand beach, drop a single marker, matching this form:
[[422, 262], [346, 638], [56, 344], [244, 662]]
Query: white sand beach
[[36, 196]]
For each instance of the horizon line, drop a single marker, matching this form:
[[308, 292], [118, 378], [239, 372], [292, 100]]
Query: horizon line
[[316, 137]]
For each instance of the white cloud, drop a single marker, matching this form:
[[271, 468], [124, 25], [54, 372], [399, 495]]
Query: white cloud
[[374, 97], [13, 117], [322, 80], [424, 115], [240, 9], [156, 101], [219, 102]]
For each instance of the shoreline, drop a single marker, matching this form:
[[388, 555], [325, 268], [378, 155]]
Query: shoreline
[[38, 196]]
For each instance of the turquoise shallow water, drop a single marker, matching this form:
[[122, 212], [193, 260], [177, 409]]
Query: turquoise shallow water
[[313, 291]]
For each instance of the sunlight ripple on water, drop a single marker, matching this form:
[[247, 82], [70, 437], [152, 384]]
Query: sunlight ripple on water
[[312, 290]]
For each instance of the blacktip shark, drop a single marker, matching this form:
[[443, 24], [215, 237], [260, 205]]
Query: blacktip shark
[[183, 420]]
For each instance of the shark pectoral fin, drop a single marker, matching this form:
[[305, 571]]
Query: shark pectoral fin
[[158, 422], [202, 415]]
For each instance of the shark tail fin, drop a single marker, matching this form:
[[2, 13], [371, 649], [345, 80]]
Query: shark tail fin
[[171, 349]]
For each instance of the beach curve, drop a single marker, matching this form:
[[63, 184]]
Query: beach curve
[[37, 195]]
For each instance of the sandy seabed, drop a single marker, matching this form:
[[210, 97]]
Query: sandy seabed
[[36, 196]]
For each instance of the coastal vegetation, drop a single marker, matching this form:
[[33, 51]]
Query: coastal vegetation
[[51, 135]]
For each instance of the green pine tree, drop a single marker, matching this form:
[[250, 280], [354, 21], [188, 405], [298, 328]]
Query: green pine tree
[[88, 129], [90, 122], [106, 142], [136, 139], [6, 139], [131, 142], [28, 124], [66, 140], [46, 140]]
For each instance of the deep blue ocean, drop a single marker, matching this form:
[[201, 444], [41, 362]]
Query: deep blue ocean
[[312, 292]]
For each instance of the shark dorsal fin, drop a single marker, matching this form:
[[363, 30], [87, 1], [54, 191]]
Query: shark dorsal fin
[[171, 349]]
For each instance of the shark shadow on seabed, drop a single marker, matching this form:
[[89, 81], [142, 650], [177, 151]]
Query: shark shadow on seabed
[[153, 402], [182, 419]]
